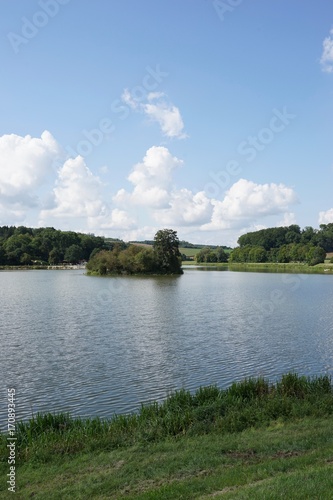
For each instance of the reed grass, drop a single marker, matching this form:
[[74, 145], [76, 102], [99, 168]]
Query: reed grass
[[249, 403]]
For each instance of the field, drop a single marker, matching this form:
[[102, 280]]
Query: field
[[270, 267], [189, 252], [254, 440]]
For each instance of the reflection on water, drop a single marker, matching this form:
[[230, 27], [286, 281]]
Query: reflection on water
[[96, 346]]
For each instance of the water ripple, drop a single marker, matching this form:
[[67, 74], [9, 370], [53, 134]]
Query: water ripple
[[94, 346]]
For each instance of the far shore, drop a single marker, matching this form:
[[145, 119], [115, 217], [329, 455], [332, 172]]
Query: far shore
[[270, 267], [45, 267], [278, 267]]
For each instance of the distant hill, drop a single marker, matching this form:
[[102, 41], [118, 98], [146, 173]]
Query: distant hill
[[184, 244], [187, 249]]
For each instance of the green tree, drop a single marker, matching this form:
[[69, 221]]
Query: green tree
[[258, 254], [16, 246], [201, 256], [316, 255], [145, 261], [2, 255], [325, 237], [73, 254], [221, 255], [55, 256], [166, 250], [25, 259], [309, 235]]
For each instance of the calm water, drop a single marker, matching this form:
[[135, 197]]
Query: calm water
[[96, 346]]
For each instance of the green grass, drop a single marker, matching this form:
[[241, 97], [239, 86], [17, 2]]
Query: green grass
[[189, 252], [270, 267], [253, 440], [325, 268]]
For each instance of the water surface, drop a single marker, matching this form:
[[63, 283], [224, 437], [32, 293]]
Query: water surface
[[96, 346]]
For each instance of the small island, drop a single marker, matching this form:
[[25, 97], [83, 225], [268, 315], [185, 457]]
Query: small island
[[162, 258]]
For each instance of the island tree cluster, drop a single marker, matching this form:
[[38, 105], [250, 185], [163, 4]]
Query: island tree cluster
[[163, 257], [285, 244]]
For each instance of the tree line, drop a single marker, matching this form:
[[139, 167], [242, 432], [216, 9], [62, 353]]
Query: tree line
[[26, 246], [285, 244], [210, 254]]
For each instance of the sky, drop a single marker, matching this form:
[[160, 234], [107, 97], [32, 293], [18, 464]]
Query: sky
[[209, 117]]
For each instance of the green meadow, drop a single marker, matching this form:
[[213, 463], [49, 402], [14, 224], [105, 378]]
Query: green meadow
[[254, 440]]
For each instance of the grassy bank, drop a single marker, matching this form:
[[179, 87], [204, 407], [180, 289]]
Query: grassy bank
[[253, 440], [290, 267]]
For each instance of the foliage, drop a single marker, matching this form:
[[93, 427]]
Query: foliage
[[166, 251], [276, 237], [26, 246], [208, 254], [163, 258], [285, 244]]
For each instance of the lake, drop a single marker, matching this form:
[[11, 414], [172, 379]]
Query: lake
[[99, 346]]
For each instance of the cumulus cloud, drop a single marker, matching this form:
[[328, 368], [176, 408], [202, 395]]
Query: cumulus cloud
[[77, 192], [25, 164], [186, 209], [115, 219], [168, 117], [151, 179], [326, 217], [158, 109], [246, 200], [289, 218], [327, 55], [13, 215], [140, 233]]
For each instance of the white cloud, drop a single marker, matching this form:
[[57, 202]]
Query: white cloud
[[168, 117], [158, 109], [103, 170], [77, 192], [151, 179], [289, 218], [186, 209], [155, 95], [326, 217], [247, 201], [140, 234], [25, 164], [116, 219], [129, 100], [12, 215], [327, 55]]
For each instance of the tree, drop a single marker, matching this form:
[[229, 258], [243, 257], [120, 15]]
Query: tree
[[316, 255], [73, 254], [55, 256], [221, 255], [16, 246], [201, 256], [258, 254], [166, 250]]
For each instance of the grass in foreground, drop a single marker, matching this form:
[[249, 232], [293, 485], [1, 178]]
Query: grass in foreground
[[253, 440]]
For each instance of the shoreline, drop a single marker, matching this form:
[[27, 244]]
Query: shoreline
[[211, 441], [325, 268], [42, 267], [290, 267]]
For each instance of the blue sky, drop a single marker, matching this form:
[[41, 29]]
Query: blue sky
[[210, 117]]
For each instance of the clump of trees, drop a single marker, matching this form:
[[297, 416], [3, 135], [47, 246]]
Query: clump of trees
[[208, 254], [25, 246], [163, 257], [285, 244]]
